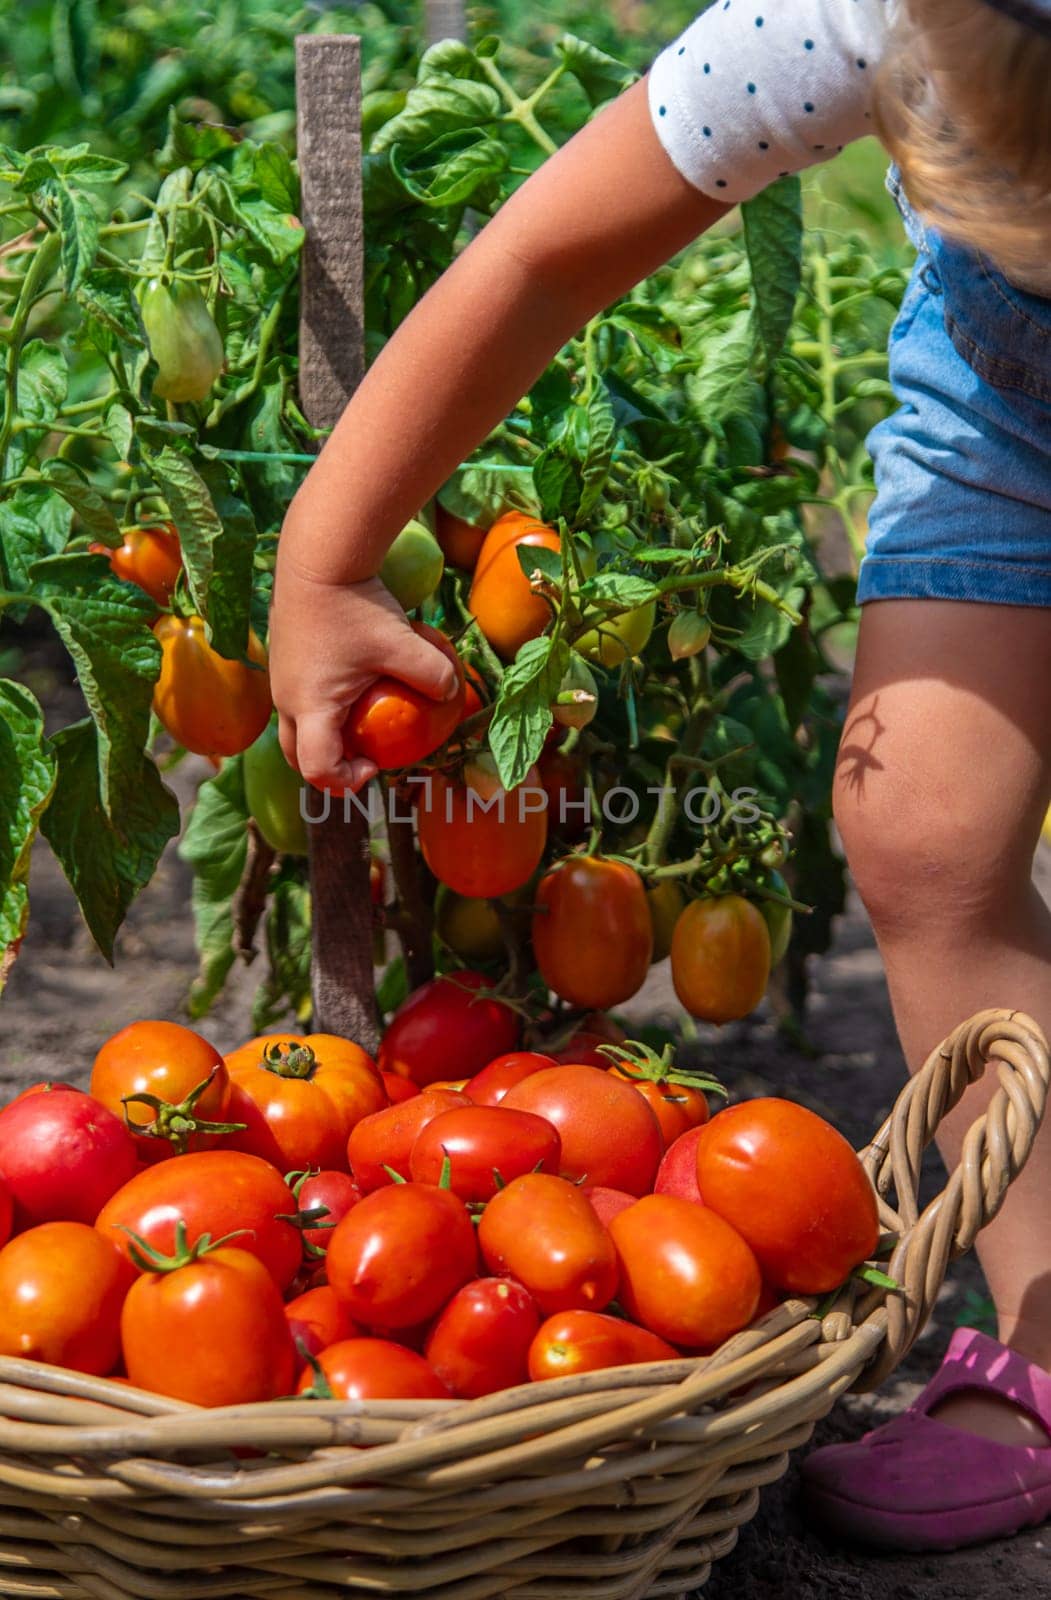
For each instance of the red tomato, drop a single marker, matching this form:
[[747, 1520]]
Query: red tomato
[[684, 1273], [672, 1094], [486, 1146], [7, 1213], [583, 1047], [374, 1369], [61, 1289], [793, 1187], [300, 1097], [677, 1173], [502, 601], [62, 1155], [592, 933], [445, 1029], [398, 1088], [479, 838], [396, 726], [331, 1195], [385, 1139], [316, 1319], [587, 1341], [211, 1332], [216, 1192], [461, 541], [149, 557], [47, 1086], [398, 1256], [541, 1231], [146, 1074], [488, 1087], [609, 1134], [607, 1203], [480, 1343], [208, 704]]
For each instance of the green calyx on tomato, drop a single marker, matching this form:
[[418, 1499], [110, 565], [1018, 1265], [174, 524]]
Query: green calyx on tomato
[[149, 1259], [290, 1061], [413, 566], [183, 339], [177, 1123], [272, 794], [641, 1064]]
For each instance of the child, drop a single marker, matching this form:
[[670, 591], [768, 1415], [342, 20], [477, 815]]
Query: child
[[945, 766]]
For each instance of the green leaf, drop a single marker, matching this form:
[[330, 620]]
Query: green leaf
[[531, 557], [773, 236], [288, 947], [450, 58], [593, 431], [215, 845], [267, 170], [452, 170], [393, 987], [192, 145], [119, 428], [618, 591], [33, 522], [105, 298], [439, 105], [480, 491], [107, 853], [104, 624], [43, 381], [80, 233], [600, 76], [27, 780], [722, 382], [522, 715], [87, 502], [557, 484]]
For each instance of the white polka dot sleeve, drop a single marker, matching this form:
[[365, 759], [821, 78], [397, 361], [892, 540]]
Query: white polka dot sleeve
[[755, 89]]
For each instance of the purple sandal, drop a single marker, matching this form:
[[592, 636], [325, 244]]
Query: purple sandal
[[920, 1484]]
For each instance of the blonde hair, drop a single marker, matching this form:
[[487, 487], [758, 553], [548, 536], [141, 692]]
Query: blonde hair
[[964, 108]]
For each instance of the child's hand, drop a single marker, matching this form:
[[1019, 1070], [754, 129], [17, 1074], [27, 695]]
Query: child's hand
[[328, 642]]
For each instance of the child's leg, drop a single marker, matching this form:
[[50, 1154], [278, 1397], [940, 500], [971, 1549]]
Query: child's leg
[[943, 779]]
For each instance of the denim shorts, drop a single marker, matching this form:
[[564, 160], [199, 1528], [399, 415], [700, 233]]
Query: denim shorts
[[963, 467]]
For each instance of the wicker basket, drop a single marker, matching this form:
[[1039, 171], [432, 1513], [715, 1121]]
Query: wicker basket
[[626, 1483]]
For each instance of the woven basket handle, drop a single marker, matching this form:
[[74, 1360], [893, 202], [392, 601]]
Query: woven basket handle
[[994, 1152]]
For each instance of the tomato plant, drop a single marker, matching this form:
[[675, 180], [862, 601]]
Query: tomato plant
[[62, 1287], [62, 1155], [542, 1232], [299, 1097], [610, 1135], [485, 1148], [480, 1342], [400, 1254]]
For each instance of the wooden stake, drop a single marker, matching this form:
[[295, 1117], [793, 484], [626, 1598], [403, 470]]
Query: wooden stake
[[446, 19]]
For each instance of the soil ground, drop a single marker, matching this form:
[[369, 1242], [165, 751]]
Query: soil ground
[[63, 1000]]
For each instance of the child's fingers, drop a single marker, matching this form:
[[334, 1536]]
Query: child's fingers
[[286, 738], [319, 752], [419, 664]]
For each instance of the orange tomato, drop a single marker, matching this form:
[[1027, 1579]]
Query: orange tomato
[[208, 704], [479, 838], [720, 958], [301, 1096], [592, 934], [505, 607], [150, 557], [397, 726], [166, 1062], [62, 1286], [684, 1273]]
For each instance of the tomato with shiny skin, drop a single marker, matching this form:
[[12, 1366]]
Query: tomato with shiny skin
[[401, 1254], [167, 1063], [300, 1097], [150, 557], [502, 602], [677, 1173], [607, 1203], [592, 934], [480, 1342], [316, 1319], [609, 1134], [793, 1188], [490, 1086], [373, 1369], [397, 726], [331, 1195], [542, 1232], [208, 704], [486, 1147], [214, 1191], [666, 901], [675, 1100], [413, 566], [446, 1029], [617, 639], [211, 1332], [720, 958], [479, 838], [47, 1086], [62, 1155], [183, 339], [684, 1273], [589, 1341], [399, 1089], [461, 541], [382, 1144], [273, 795], [62, 1287]]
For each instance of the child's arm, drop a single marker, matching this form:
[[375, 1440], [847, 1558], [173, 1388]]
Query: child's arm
[[599, 216]]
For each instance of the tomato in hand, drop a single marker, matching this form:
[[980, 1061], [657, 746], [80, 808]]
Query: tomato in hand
[[684, 1273], [300, 1096], [400, 1254], [485, 1146], [542, 1232], [502, 601], [588, 1341], [397, 726], [166, 1082], [609, 1134], [677, 1173], [61, 1156], [385, 1140], [372, 1369], [61, 1288], [607, 1203], [209, 1329], [720, 958], [149, 557], [446, 1029], [316, 1319], [490, 1086], [461, 541], [218, 1192], [793, 1188], [478, 838], [592, 934], [329, 1195], [208, 704], [481, 1341], [273, 795]]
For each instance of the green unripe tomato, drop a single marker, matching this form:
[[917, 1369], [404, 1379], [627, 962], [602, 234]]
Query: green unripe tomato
[[688, 635], [183, 339], [577, 700], [619, 637], [470, 928], [414, 566], [272, 791]]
